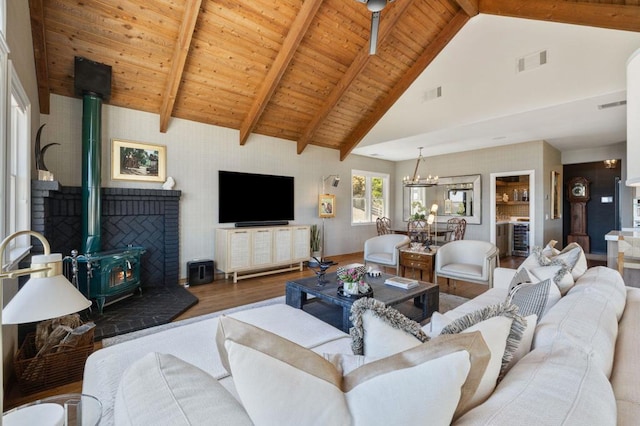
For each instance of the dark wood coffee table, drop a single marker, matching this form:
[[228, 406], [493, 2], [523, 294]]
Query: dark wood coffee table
[[425, 297]]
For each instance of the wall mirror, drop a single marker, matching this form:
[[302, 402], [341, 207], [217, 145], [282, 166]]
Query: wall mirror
[[456, 196]]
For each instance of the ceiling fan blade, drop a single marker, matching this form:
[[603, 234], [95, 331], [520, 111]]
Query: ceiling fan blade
[[373, 40]]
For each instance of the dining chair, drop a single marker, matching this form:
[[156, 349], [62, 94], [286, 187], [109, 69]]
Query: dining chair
[[417, 230], [383, 225], [456, 228]]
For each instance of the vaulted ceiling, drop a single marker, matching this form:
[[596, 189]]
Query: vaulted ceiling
[[292, 69]]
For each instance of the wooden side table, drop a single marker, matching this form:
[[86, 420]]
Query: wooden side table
[[419, 261]]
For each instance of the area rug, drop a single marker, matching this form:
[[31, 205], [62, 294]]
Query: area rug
[[447, 302], [155, 306], [450, 301]]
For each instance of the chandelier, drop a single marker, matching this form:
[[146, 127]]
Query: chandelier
[[416, 181]]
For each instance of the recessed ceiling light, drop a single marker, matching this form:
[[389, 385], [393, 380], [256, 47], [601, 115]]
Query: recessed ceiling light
[[497, 138]]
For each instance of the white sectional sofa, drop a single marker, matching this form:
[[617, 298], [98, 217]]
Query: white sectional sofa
[[581, 370]]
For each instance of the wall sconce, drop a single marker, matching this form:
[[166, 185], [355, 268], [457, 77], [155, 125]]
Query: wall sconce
[[47, 294], [610, 164], [335, 181]]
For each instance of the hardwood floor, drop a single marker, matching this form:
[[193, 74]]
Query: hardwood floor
[[223, 294]]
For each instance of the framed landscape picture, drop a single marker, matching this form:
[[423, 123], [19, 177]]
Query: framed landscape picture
[[138, 161], [327, 205]]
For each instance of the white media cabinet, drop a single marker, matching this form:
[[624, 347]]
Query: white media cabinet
[[256, 251]]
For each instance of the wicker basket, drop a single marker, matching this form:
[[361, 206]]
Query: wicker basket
[[66, 365]]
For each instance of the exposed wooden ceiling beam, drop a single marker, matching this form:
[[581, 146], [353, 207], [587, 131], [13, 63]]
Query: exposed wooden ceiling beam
[[36, 9], [191, 12], [360, 61], [469, 6], [289, 47], [612, 16], [430, 53]]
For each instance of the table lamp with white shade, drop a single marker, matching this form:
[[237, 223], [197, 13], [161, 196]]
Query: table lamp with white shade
[[47, 294]]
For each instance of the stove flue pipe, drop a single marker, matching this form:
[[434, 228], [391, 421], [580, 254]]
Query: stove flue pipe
[[91, 172], [93, 82]]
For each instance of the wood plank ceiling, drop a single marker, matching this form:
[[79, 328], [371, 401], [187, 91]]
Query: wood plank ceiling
[[292, 69]]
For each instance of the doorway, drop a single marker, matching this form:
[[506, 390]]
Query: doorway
[[512, 211]]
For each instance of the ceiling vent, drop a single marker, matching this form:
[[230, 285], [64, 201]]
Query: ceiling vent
[[432, 94], [532, 61], [612, 104]]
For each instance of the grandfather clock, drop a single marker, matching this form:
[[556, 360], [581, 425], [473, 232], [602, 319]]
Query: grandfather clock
[[578, 190]]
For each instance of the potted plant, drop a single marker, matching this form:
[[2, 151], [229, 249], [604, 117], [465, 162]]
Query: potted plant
[[418, 211], [315, 244]]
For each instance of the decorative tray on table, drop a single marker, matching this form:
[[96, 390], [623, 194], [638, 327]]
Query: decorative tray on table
[[346, 295]]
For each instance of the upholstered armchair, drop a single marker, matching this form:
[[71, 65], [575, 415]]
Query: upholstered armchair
[[383, 250], [467, 260]]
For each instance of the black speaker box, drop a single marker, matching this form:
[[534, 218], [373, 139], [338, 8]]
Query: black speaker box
[[200, 272], [92, 77]]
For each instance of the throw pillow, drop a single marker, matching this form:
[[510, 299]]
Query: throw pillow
[[525, 343], [440, 321], [395, 390], [346, 363], [496, 324], [573, 256], [536, 258], [570, 261], [521, 276], [517, 326], [549, 250], [392, 331], [557, 272], [161, 389], [534, 298]]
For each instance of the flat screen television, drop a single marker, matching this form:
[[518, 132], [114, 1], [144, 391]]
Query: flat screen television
[[254, 199]]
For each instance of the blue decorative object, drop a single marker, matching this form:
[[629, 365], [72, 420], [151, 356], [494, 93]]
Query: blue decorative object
[[320, 268]]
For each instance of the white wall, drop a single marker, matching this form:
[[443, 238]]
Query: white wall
[[195, 153], [587, 155]]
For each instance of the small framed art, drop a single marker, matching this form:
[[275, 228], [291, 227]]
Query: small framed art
[[327, 205], [138, 161]]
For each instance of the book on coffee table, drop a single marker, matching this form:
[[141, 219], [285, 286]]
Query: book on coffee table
[[401, 282]]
